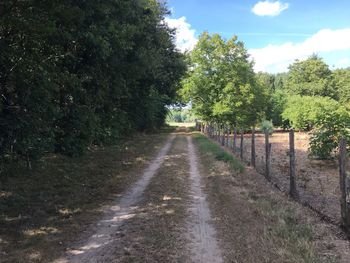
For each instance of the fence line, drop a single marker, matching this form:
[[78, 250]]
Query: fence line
[[295, 175]]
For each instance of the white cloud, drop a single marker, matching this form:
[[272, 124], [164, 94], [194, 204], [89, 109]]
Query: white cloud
[[267, 8], [276, 58], [185, 35]]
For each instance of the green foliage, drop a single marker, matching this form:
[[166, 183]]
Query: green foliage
[[275, 97], [280, 80], [76, 73], [278, 101], [180, 115], [342, 84], [310, 77], [329, 119], [266, 125], [208, 146], [331, 126], [221, 84], [304, 112]]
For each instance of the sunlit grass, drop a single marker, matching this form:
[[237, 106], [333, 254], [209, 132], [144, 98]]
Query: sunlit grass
[[40, 231], [207, 146], [182, 124]]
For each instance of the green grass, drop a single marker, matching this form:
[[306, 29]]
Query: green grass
[[208, 146]]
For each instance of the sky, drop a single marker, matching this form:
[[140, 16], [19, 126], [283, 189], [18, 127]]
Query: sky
[[275, 33]]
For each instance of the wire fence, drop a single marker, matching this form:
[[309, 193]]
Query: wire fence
[[285, 162]]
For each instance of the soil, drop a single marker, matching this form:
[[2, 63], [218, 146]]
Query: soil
[[202, 234], [317, 180]]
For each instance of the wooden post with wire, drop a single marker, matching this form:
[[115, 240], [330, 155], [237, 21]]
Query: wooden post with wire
[[253, 148]]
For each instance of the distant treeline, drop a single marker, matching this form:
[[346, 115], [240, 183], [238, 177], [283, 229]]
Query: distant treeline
[[180, 115], [77, 73], [224, 90]]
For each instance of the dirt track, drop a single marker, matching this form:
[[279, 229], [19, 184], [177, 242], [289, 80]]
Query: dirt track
[[98, 247], [204, 244], [201, 239], [189, 207]]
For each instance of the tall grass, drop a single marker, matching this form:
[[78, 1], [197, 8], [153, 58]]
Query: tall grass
[[207, 146]]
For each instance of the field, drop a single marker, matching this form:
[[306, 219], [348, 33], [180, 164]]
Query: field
[[317, 180]]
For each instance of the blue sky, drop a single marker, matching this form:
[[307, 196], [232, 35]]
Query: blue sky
[[274, 32]]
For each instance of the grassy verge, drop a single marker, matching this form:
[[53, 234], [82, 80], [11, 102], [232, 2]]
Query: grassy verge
[[43, 210], [256, 224], [207, 146]]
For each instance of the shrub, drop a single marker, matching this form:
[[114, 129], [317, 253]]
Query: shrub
[[331, 126], [303, 112], [266, 125]]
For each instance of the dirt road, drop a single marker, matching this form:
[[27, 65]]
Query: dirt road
[[198, 234], [203, 235], [189, 207]]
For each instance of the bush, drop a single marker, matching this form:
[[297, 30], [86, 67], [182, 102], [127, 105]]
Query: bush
[[266, 125], [303, 112], [331, 126]]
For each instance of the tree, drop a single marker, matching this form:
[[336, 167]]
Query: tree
[[275, 97], [303, 112], [342, 84], [76, 73], [310, 77], [330, 127], [221, 83]]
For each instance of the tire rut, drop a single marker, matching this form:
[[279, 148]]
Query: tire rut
[[98, 247], [204, 245]]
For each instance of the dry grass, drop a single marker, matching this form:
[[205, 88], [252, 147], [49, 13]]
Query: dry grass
[[155, 234], [43, 210], [255, 223]]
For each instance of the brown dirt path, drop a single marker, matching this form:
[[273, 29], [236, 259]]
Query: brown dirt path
[[96, 248], [156, 232], [163, 217], [203, 236]]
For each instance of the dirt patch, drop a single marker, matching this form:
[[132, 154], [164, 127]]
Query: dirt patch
[[317, 180], [256, 223], [202, 233], [45, 210], [156, 232]]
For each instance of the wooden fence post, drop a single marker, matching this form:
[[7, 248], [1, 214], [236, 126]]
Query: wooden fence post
[[292, 186], [219, 133], [253, 148], [343, 190], [223, 135], [234, 139], [241, 146], [267, 155], [228, 136]]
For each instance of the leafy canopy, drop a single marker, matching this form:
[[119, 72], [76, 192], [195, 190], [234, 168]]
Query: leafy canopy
[[221, 83]]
